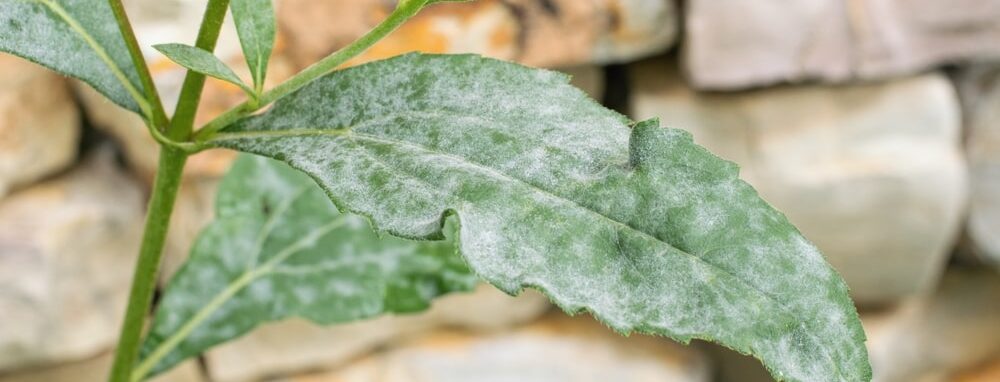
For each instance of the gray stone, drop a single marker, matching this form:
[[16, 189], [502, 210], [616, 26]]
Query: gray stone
[[732, 44], [556, 349], [872, 174], [66, 252], [980, 92], [39, 123], [96, 369], [933, 337]]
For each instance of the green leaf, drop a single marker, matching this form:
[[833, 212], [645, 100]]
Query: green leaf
[[204, 62], [255, 25], [641, 227], [278, 248], [77, 38]]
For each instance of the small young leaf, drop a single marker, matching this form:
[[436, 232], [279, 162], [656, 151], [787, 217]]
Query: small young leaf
[[76, 38], [255, 25], [277, 249], [641, 227], [203, 62]]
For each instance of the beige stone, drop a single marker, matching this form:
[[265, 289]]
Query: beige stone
[[557, 348], [96, 369], [66, 253], [295, 346], [732, 44], [989, 372], [39, 123], [932, 337], [551, 33], [980, 92], [872, 174], [588, 78]]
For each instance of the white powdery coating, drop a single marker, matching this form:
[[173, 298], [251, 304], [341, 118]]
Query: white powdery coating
[[29, 29], [643, 228], [296, 255]]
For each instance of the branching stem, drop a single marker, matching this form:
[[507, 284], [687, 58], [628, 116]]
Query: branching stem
[[173, 156], [175, 138]]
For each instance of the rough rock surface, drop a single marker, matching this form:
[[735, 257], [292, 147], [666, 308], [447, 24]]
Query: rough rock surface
[[95, 370], [980, 92], [730, 44], [295, 345], [550, 33], [66, 253], [872, 174], [39, 123], [555, 349], [989, 372], [932, 337]]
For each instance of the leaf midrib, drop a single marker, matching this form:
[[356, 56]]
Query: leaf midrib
[[249, 275], [788, 311], [99, 50], [349, 133]]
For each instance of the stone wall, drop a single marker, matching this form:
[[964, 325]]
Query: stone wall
[[874, 125]]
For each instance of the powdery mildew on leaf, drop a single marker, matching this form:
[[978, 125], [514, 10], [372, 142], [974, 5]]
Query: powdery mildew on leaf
[[203, 62], [278, 249], [641, 227], [42, 31], [256, 27]]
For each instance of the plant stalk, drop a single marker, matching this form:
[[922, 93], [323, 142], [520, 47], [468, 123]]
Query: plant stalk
[[161, 204], [165, 187], [403, 12], [187, 105]]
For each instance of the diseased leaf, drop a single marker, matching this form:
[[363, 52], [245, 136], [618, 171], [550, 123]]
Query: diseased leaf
[[78, 38], [255, 25], [640, 226], [278, 248], [204, 62]]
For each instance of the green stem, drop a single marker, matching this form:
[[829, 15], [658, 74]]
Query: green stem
[[194, 82], [404, 11], [161, 204], [159, 116], [168, 179]]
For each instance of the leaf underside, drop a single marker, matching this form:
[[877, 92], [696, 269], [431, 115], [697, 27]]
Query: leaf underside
[[278, 248], [641, 227], [78, 38]]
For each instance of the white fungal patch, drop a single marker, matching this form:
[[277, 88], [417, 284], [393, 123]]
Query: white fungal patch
[[664, 238]]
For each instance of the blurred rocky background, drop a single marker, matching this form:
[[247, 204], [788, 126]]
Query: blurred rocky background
[[873, 124]]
